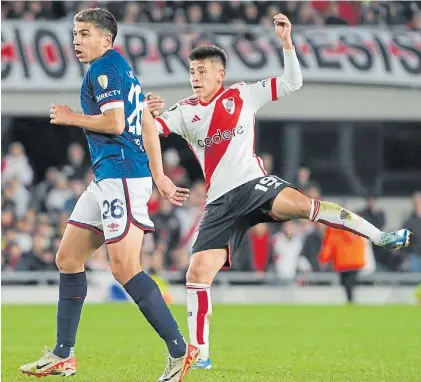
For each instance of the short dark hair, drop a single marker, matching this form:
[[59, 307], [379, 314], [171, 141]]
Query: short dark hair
[[203, 52], [100, 17]]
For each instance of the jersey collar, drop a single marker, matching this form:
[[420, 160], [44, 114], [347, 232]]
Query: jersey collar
[[216, 95]]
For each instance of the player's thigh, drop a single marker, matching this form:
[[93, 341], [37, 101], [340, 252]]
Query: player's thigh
[[125, 218], [76, 246], [290, 204], [83, 234], [211, 247]]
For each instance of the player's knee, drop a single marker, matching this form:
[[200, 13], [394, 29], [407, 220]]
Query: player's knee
[[195, 275], [123, 271], [204, 267], [303, 206], [67, 263]]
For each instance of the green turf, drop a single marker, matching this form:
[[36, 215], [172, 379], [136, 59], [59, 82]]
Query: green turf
[[249, 343]]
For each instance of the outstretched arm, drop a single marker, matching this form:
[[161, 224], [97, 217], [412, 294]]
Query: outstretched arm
[[292, 79], [166, 187]]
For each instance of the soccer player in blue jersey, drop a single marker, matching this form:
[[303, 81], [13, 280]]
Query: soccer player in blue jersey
[[121, 136]]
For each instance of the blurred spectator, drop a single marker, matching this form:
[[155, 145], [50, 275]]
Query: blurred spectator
[[306, 15], [312, 245], [172, 168], [195, 14], [7, 219], [414, 225], [287, 246], [346, 252], [260, 243], [58, 195], [267, 162], [215, 13], [20, 196], [39, 258], [154, 201], [16, 165], [45, 186], [251, 14], [77, 188], [7, 201], [12, 256], [373, 213], [304, 180], [190, 215], [333, 17], [132, 13], [233, 12], [415, 23], [78, 163], [24, 234], [166, 236]]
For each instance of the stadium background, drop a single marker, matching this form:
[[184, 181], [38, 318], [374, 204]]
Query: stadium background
[[351, 134]]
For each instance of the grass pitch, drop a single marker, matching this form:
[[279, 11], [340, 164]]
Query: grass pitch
[[249, 343]]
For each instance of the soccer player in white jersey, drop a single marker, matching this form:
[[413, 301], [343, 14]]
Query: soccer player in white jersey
[[125, 152], [218, 124]]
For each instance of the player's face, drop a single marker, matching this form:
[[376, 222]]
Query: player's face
[[206, 78], [90, 42]]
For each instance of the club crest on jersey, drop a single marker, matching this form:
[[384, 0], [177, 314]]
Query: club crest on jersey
[[103, 81], [229, 105]]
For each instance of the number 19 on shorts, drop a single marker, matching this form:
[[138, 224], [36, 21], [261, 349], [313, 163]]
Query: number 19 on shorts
[[269, 181]]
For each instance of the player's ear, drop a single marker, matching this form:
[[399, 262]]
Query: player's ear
[[109, 40], [221, 76]]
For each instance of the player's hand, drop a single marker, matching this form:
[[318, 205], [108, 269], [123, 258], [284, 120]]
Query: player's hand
[[155, 104], [168, 190], [283, 30], [60, 114]]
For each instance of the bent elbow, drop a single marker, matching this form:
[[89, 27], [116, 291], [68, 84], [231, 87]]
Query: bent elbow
[[296, 85], [290, 87], [299, 85], [118, 128]]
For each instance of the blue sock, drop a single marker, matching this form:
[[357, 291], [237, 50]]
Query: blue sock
[[72, 293], [146, 294]]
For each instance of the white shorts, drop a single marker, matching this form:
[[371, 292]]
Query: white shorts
[[109, 206]]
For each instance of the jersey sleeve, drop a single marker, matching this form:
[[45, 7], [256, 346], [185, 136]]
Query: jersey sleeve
[[171, 121], [107, 86], [270, 89]]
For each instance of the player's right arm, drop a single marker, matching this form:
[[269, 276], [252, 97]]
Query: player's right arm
[[270, 89], [107, 87]]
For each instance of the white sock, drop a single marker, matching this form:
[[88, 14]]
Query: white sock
[[199, 308], [338, 217]]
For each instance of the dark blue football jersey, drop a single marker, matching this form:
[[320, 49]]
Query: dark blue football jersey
[[110, 83]]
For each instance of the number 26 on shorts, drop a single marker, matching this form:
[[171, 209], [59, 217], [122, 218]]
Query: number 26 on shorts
[[115, 209]]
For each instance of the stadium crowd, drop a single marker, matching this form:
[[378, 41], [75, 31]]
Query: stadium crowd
[[34, 215], [250, 13]]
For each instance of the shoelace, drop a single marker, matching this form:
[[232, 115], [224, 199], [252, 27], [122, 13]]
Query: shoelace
[[170, 364], [389, 238]]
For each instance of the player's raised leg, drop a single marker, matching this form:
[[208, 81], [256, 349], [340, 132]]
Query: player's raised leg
[[76, 246], [292, 204], [203, 268]]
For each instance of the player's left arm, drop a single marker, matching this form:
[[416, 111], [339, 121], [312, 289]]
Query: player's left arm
[[271, 89], [107, 87]]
